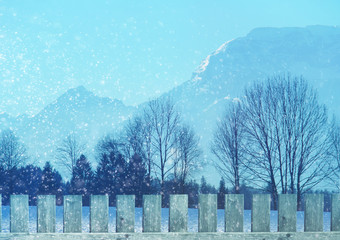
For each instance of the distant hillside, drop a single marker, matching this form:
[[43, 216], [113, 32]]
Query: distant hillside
[[78, 110]]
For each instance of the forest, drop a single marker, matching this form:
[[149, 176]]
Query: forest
[[276, 139]]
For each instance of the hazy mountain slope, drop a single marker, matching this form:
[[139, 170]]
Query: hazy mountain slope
[[313, 52], [78, 111]]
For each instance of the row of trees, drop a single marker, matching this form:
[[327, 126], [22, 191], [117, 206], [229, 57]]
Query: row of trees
[[278, 138], [154, 149], [112, 176], [30, 180], [155, 143]]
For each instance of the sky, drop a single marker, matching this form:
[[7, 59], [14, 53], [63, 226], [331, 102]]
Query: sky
[[129, 50]]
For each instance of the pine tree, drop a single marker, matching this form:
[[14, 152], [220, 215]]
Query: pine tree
[[120, 174], [136, 178], [111, 175], [51, 181], [206, 188], [104, 176], [82, 179], [222, 191]]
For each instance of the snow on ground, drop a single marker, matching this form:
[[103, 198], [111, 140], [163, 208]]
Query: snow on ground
[[192, 220]]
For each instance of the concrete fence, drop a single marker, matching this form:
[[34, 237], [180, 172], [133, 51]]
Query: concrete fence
[[178, 218]]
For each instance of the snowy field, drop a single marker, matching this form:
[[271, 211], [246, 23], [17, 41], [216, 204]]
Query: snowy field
[[192, 220]]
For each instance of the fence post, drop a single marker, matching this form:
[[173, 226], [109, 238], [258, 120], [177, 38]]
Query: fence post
[[19, 213], [46, 213], [99, 214], [178, 213], [152, 207], [313, 212], [207, 213], [72, 213], [260, 213], [0, 211], [335, 219], [125, 213], [287, 213], [234, 210]]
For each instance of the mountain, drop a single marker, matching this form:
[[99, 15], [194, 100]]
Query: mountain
[[313, 52], [79, 111]]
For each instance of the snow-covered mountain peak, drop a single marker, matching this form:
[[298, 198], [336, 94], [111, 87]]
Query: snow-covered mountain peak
[[202, 67]]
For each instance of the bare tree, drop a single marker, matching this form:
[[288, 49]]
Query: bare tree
[[287, 135], [228, 146], [261, 128], [187, 155], [107, 145], [69, 151], [334, 152], [138, 136], [12, 151], [164, 120]]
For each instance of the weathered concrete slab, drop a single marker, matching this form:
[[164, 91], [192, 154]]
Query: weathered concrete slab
[[99, 214], [260, 213], [178, 213], [234, 209], [46, 213], [314, 212], [207, 213], [72, 213], [0, 211], [152, 207], [287, 213], [19, 213], [335, 217], [125, 213]]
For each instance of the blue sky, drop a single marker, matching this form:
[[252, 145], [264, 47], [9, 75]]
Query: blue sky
[[129, 50]]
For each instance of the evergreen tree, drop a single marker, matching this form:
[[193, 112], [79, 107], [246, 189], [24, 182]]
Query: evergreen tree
[[120, 174], [111, 175], [27, 181], [82, 179], [222, 191], [51, 181], [104, 183], [206, 188], [192, 189], [136, 178]]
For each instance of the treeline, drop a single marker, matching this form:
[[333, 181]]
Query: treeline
[[34, 181], [129, 178]]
